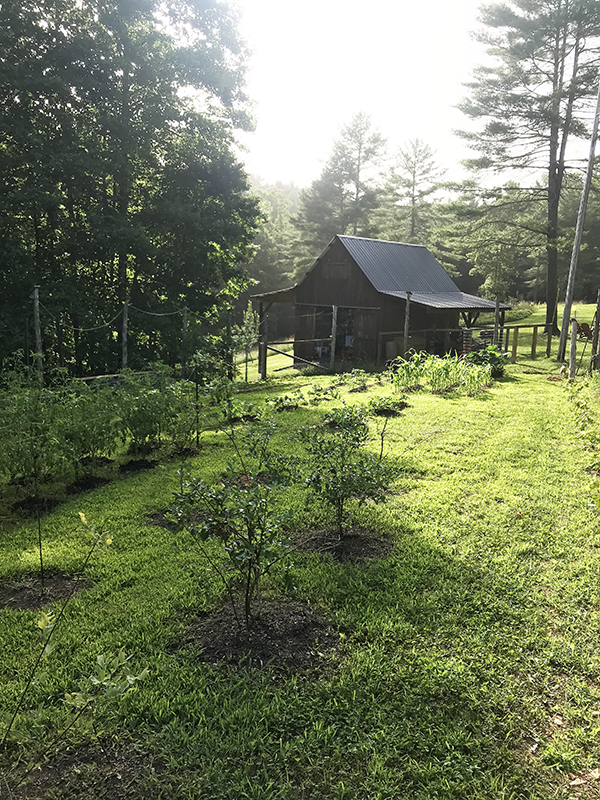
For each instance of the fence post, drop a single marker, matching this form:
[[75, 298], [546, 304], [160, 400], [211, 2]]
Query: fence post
[[124, 336], [183, 342], [549, 341], [38, 332], [262, 341], [534, 341], [515, 341]]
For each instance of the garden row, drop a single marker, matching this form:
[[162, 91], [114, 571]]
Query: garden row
[[58, 431]]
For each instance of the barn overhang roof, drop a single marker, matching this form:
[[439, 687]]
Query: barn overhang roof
[[451, 301], [281, 296]]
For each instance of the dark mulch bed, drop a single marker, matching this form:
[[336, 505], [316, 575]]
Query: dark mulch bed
[[137, 465], [33, 504], [88, 772], [86, 484], [289, 636], [25, 594], [356, 545]]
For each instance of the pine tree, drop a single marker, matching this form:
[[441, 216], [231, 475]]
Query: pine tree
[[529, 103]]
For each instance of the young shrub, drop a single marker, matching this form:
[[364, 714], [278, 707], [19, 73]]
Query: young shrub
[[386, 406], [237, 522], [340, 469], [318, 393], [287, 402]]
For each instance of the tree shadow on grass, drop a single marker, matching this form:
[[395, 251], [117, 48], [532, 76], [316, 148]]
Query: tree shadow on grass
[[447, 660]]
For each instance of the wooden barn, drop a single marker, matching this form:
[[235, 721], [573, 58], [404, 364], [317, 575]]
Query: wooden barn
[[362, 296]]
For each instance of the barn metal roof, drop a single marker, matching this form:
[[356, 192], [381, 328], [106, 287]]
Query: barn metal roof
[[394, 268]]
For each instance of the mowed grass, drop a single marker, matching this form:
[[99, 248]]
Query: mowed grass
[[469, 660]]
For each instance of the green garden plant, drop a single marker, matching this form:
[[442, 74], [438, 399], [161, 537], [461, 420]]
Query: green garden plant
[[491, 355], [237, 521], [340, 469]]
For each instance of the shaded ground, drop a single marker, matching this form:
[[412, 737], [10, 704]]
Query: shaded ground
[[289, 635], [88, 772], [137, 465], [26, 593], [31, 504], [356, 545]]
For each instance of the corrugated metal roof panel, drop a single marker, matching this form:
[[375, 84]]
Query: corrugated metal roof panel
[[396, 267]]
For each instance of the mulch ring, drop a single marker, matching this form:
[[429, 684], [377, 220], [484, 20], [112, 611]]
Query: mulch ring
[[25, 594], [34, 503], [356, 545], [87, 483], [289, 636], [86, 771]]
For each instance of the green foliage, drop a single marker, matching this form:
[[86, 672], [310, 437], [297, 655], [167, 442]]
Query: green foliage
[[527, 117], [491, 355], [449, 373], [462, 651], [237, 522], [287, 402], [355, 380], [339, 467], [106, 197], [386, 406]]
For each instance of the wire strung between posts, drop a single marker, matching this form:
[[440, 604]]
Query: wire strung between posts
[[154, 313], [84, 330]]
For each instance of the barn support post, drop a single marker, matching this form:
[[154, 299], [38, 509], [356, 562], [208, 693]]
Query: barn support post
[[405, 346], [334, 311], [496, 320], [596, 330], [573, 349]]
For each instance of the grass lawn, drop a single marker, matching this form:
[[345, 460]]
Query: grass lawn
[[468, 661]]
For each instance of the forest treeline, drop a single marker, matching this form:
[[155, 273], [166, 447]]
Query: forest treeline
[[122, 189]]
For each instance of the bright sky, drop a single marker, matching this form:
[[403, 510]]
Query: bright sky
[[316, 63]]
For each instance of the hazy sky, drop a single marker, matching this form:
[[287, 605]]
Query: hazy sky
[[316, 63]]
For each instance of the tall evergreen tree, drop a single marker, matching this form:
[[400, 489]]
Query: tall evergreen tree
[[342, 199], [529, 102], [405, 204]]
